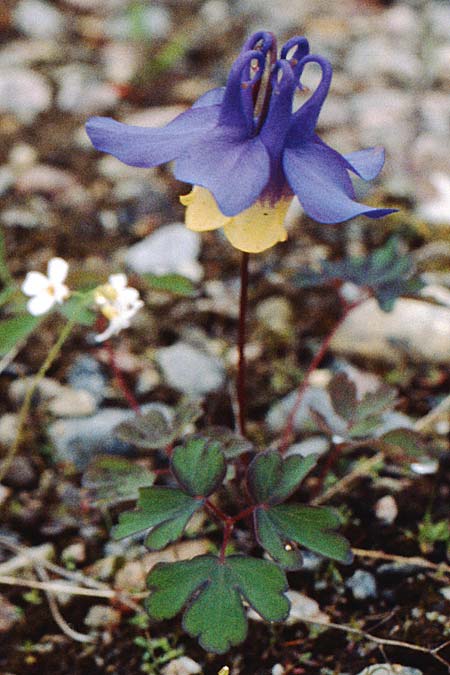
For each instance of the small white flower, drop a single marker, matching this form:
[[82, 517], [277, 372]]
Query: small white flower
[[45, 291], [118, 303]]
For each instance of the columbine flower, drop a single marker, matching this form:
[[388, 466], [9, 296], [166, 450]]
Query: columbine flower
[[118, 303], [45, 291], [247, 152]]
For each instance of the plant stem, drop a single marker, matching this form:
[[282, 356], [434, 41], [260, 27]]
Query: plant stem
[[241, 389], [288, 429], [120, 380], [25, 409]]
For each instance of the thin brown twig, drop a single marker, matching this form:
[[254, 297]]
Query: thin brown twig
[[385, 642], [362, 469], [413, 560]]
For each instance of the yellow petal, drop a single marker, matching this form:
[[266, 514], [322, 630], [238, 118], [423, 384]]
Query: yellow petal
[[202, 212], [258, 227]]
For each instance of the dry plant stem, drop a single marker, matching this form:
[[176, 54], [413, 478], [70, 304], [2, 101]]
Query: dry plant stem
[[121, 383], [25, 408], [289, 426], [404, 560], [241, 389], [434, 653], [362, 469]]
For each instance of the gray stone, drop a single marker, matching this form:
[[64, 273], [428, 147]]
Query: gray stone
[[183, 665], [171, 249], [363, 585], [414, 327], [38, 19], [72, 403], [86, 373], [102, 616], [190, 370], [24, 93], [77, 440], [81, 91], [276, 314], [315, 398]]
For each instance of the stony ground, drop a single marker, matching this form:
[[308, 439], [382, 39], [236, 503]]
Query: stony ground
[[143, 62]]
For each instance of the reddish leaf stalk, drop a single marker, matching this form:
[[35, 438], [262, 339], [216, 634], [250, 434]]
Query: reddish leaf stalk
[[120, 380], [241, 389], [289, 426]]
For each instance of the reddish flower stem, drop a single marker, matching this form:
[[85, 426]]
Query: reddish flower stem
[[226, 538], [120, 380], [289, 426], [241, 390]]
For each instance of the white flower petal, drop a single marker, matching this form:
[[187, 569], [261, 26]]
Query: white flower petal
[[57, 269], [40, 304], [34, 283], [118, 281], [61, 292]]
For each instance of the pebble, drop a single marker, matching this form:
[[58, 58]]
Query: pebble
[[275, 313], [436, 211], [386, 509], [387, 60], [303, 608], [24, 93], [189, 369], [172, 249], [60, 185], [72, 403], [38, 19], [9, 424], [416, 328], [9, 615], [86, 374], [398, 569], [27, 52], [131, 577], [389, 669], [82, 91], [77, 440], [362, 585], [74, 553], [121, 61], [316, 445], [46, 389], [21, 217], [314, 397], [278, 669], [6, 180], [102, 616], [155, 22], [183, 665]]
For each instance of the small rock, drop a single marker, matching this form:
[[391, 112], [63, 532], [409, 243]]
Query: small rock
[[121, 61], [38, 19], [147, 380], [19, 217], [102, 616], [386, 509], [8, 428], [278, 669], [446, 592], [276, 314], [86, 373], [81, 91], [22, 156], [77, 440], [72, 403], [414, 327], [46, 389], [316, 445], [172, 249], [363, 585], [74, 553], [398, 569], [19, 53], [24, 93], [6, 180], [316, 398], [190, 370], [426, 467], [311, 562], [182, 666], [131, 577], [437, 210], [390, 669], [9, 615], [60, 185], [154, 22], [215, 13]]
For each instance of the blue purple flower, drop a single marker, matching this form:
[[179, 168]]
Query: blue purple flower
[[247, 152]]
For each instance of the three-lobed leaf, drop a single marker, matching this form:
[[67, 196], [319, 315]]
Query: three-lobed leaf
[[199, 466], [215, 591], [166, 510]]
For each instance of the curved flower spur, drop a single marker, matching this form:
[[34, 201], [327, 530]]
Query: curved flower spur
[[247, 153]]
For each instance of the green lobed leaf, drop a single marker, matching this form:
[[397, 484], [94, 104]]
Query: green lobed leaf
[[172, 283], [232, 444], [403, 441], [158, 506], [269, 538], [114, 479], [216, 590], [312, 527], [155, 429], [199, 466], [272, 478], [16, 329]]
